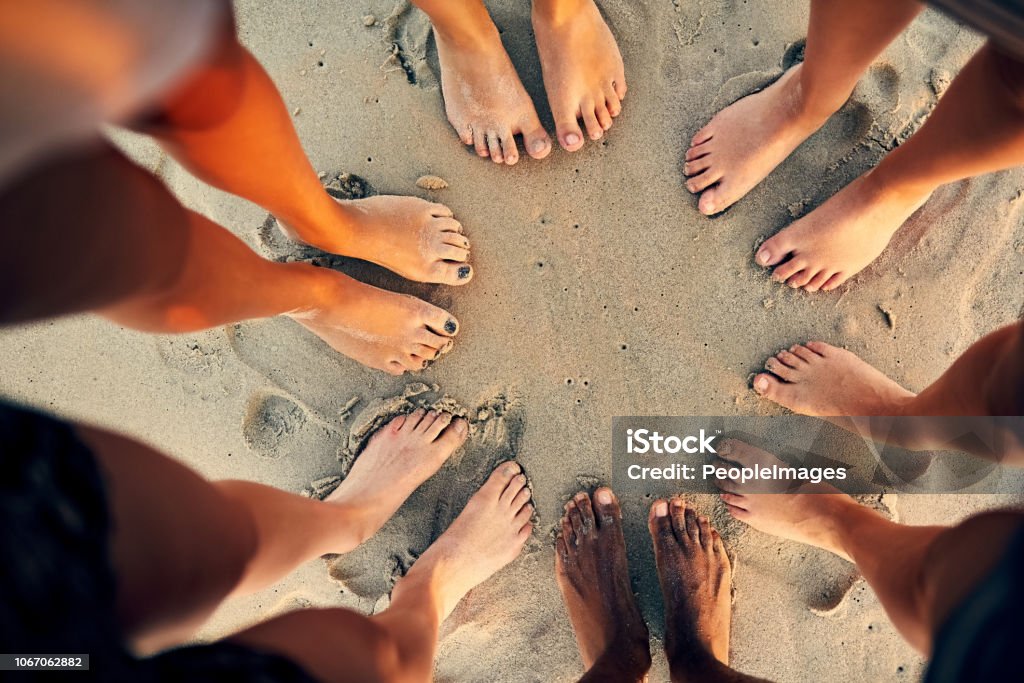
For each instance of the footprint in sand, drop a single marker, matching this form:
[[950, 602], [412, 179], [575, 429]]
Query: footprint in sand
[[496, 427], [276, 426], [406, 32]]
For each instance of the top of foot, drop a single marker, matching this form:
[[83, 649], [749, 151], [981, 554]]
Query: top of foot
[[828, 246], [583, 71], [488, 534], [695, 577], [380, 329], [744, 142], [823, 380], [398, 458], [592, 572], [807, 513], [484, 99], [419, 240]]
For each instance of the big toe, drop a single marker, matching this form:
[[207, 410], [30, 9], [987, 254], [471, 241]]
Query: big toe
[[606, 508], [536, 140], [570, 136], [774, 250], [441, 322], [773, 389]]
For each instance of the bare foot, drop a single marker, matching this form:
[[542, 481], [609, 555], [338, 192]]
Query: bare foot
[[380, 329], [417, 239], [744, 142], [823, 380], [841, 237], [399, 457], [484, 99], [695, 577], [808, 513], [590, 564], [583, 71], [488, 534]]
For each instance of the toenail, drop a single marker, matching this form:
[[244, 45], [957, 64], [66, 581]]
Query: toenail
[[540, 146], [511, 468], [450, 326], [460, 426], [463, 272], [677, 503], [660, 509], [763, 257], [761, 384], [604, 496], [572, 139]]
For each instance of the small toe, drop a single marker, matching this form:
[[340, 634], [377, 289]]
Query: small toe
[[803, 353], [480, 143], [454, 434], [818, 280], [833, 282], [692, 168], [447, 252], [442, 420], [494, 147], [509, 149], [774, 366], [821, 348], [590, 122], [786, 270], [698, 151], [702, 136], [702, 181], [604, 117]]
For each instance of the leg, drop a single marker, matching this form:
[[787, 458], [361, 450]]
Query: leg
[[146, 262], [592, 573], [399, 643], [485, 101], [583, 71], [745, 141], [236, 537], [977, 127], [695, 576], [918, 573], [229, 126], [820, 379]]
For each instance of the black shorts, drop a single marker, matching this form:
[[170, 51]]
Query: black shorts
[[57, 585]]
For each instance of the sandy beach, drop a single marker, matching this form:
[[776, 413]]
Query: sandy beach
[[599, 291]]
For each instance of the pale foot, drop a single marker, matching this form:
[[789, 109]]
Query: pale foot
[[807, 513], [696, 578], [489, 533], [841, 237], [823, 380], [592, 573], [583, 71], [398, 458], [484, 99], [417, 239], [380, 329], [744, 142]]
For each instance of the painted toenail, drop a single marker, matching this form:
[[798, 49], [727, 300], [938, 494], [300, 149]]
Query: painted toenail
[[660, 509], [763, 257], [572, 139], [604, 496], [463, 272], [450, 326]]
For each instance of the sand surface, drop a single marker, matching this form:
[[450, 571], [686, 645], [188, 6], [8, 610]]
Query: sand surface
[[599, 291]]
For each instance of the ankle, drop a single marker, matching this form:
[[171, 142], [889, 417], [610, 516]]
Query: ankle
[[557, 12], [692, 662], [814, 103], [472, 31]]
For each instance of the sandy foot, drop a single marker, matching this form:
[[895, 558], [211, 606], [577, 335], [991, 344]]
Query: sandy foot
[[583, 71], [488, 534], [486, 102], [840, 238], [807, 515], [823, 380], [744, 142], [417, 239], [592, 573], [399, 457], [380, 329], [695, 577]]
